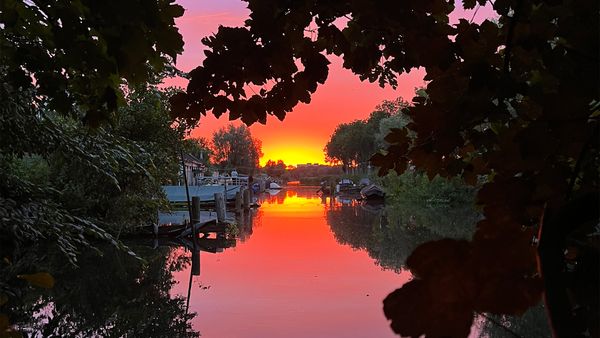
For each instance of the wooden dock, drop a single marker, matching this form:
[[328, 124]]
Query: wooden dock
[[216, 219]]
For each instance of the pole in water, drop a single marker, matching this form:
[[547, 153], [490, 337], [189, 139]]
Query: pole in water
[[195, 262], [220, 207], [195, 215], [247, 201], [238, 202], [187, 190]]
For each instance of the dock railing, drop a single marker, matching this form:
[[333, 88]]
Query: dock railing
[[223, 180]]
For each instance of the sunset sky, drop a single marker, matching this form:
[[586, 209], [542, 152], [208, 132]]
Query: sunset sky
[[301, 137]]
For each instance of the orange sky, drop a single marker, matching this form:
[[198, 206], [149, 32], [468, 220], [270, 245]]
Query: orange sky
[[301, 137]]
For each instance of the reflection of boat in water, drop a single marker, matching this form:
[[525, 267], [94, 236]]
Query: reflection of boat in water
[[345, 200], [373, 206], [372, 192], [273, 192]]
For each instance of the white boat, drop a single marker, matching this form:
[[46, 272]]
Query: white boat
[[274, 186], [176, 193], [273, 192], [206, 187]]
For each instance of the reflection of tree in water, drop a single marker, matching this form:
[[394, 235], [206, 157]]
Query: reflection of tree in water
[[353, 226], [390, 233], [443, 220], [111, 296]]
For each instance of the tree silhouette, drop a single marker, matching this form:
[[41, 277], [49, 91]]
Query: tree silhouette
[[235, 148], [513, 102], [78, 55], [65, 66]]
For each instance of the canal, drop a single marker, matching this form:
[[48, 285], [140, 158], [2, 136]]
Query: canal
[[299, 266], [296, 275]]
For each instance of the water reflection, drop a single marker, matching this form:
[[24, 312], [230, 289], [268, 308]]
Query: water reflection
[[291, 278], [110, 296], [389, 233], [301, 266], [296, 194]]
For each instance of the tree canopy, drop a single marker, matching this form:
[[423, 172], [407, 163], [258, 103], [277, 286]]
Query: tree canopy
[[353, 143], [275, 169], [200, 148], [235, 148], [514, 101], [77, 54], [85, 135]]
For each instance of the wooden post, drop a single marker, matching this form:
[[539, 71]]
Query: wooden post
[[220, 206], [248, 221], [195, 262], [195, 209], [238, 201], [195, 214], [247, 200], [239, 219]]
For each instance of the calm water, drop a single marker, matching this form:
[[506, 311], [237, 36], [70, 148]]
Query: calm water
[[292, 277], [300, 266]]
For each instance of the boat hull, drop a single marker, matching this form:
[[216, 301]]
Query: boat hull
[[372, 192], [206, 193]]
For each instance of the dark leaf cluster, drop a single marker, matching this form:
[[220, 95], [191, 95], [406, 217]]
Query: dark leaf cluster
[[377, 42], [76, 53], [512, 103]]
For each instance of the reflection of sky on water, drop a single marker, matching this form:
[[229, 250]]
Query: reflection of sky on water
[[313, 267], [303, 267], [291, 278]]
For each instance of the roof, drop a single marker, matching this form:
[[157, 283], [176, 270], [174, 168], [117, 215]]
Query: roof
[[191, 159]]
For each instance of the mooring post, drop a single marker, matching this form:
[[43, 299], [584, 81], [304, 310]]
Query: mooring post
[[195, 214], [239, 219], [247, 200], [248, 221], [195, 262], [238, 202], [220, 206]]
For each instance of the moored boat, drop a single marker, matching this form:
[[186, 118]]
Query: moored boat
[[346, 186], [206, 193], [205, 188], [274, 186], [372, 192]]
